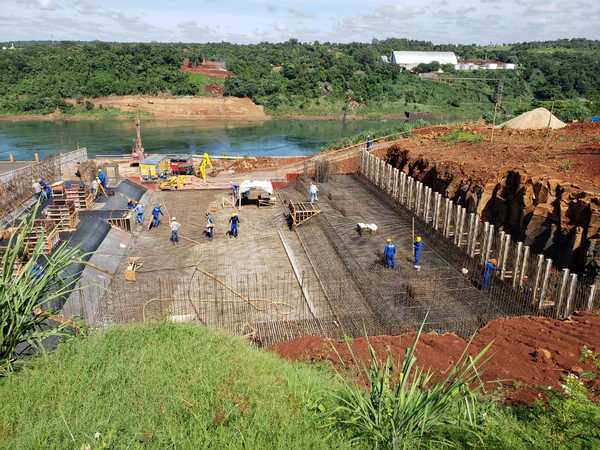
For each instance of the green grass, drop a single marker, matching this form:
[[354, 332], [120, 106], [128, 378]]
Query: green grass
[[165, 386], [462, 136], [168, 386]]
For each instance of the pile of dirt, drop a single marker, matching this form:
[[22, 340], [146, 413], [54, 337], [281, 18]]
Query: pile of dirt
[[528, 354], [537, 119]]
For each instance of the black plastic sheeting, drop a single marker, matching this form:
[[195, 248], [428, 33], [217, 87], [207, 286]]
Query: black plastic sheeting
[[126, 190], [90, 233]]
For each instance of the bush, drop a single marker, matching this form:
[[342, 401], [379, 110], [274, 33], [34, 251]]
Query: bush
[[410, 411]]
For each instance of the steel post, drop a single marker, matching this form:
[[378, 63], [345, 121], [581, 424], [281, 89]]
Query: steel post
[[561, 293], [545, 284], [571, 296]]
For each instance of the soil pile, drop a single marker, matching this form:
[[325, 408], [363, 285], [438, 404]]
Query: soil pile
[[528, 355], [537, 119]]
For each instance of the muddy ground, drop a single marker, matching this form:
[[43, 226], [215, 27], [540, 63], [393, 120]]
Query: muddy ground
[[528, 356]]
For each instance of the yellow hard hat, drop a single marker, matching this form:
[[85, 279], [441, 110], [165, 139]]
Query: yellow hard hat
[[418, 239], [234, 213]]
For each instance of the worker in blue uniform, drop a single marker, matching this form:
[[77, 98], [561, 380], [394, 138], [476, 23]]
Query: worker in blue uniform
[[139, 213], [234, 220], [490, 267], [389, 254], [418, 249], [102, 178], [156, 213]]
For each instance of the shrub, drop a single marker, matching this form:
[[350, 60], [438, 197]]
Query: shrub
[[411, 411], [30, 282]]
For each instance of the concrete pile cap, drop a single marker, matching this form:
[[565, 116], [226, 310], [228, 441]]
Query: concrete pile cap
[[536, 119]]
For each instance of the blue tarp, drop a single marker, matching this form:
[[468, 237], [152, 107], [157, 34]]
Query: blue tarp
[[596, 119]]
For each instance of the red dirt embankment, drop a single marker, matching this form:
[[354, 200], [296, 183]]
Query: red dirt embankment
[[528, 353]]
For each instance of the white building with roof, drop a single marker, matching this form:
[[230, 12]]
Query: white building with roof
[[411, 59]]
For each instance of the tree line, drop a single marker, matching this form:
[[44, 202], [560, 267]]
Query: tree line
[[39, 76]]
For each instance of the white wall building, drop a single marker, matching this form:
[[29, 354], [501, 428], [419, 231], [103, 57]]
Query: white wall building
[[409, 59]]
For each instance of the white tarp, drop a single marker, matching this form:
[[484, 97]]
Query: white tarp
[[256, 184]]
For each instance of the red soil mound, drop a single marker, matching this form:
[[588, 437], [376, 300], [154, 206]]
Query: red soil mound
[[528, 353]]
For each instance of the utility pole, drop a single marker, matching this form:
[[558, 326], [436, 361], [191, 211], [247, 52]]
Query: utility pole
[[499, 91]]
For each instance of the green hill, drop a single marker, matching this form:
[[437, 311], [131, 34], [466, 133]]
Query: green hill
[[304, 78]]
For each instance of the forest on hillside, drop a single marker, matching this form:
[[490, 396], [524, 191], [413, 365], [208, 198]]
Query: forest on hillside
[[295, 76]]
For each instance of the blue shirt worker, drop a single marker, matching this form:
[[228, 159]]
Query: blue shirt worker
[[175, 226], [234, 220], [389, 253], [156, 213], [488, 271], [102, 178], [139, 213], [418, 249]]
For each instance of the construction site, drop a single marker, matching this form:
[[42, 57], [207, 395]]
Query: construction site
[[297, 267]]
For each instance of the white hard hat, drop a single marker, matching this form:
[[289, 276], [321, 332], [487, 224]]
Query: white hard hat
[[173, 219]]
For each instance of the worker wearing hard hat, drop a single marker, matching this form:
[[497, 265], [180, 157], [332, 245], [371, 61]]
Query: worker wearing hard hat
[[139, 213], [234, 221], [490, 267], [175, 226], [418, 249], [389, 254]]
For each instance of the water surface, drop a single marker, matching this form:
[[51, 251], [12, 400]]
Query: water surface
[[271, 138]]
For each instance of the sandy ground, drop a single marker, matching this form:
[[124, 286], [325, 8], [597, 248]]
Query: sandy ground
[[206, 108]]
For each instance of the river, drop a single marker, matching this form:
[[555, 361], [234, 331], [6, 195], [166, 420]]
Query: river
[[271, 138]]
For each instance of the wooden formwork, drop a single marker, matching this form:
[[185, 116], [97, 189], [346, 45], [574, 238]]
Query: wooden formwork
[[42, 230], [124, 223], [63, 214], [80, 196], [300, 212]]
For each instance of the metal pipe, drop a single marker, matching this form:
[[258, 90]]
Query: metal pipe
[[395, 188], [517, 267], [572, 286], [561, 293], [427, 204], [488, 247], [461, 224], [524, 265], [418, 187], [436, 211], [470, 233], [486, 231], [538, 275], [545, 283], [505, 256], [474, 236], [402, 186], [590, 303]]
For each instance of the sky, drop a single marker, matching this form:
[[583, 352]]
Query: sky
[[251, 21]]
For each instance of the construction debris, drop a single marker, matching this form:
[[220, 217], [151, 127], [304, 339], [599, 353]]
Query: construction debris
[[300, 212], [133, 265]]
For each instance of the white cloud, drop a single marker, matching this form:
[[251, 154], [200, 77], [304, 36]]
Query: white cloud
[[442, 21]]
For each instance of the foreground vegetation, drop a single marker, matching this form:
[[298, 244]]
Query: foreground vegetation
[[184, 386], [302, 78]]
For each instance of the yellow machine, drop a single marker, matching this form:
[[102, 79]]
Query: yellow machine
[[153, 167], [172, 183], [206, 162]]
